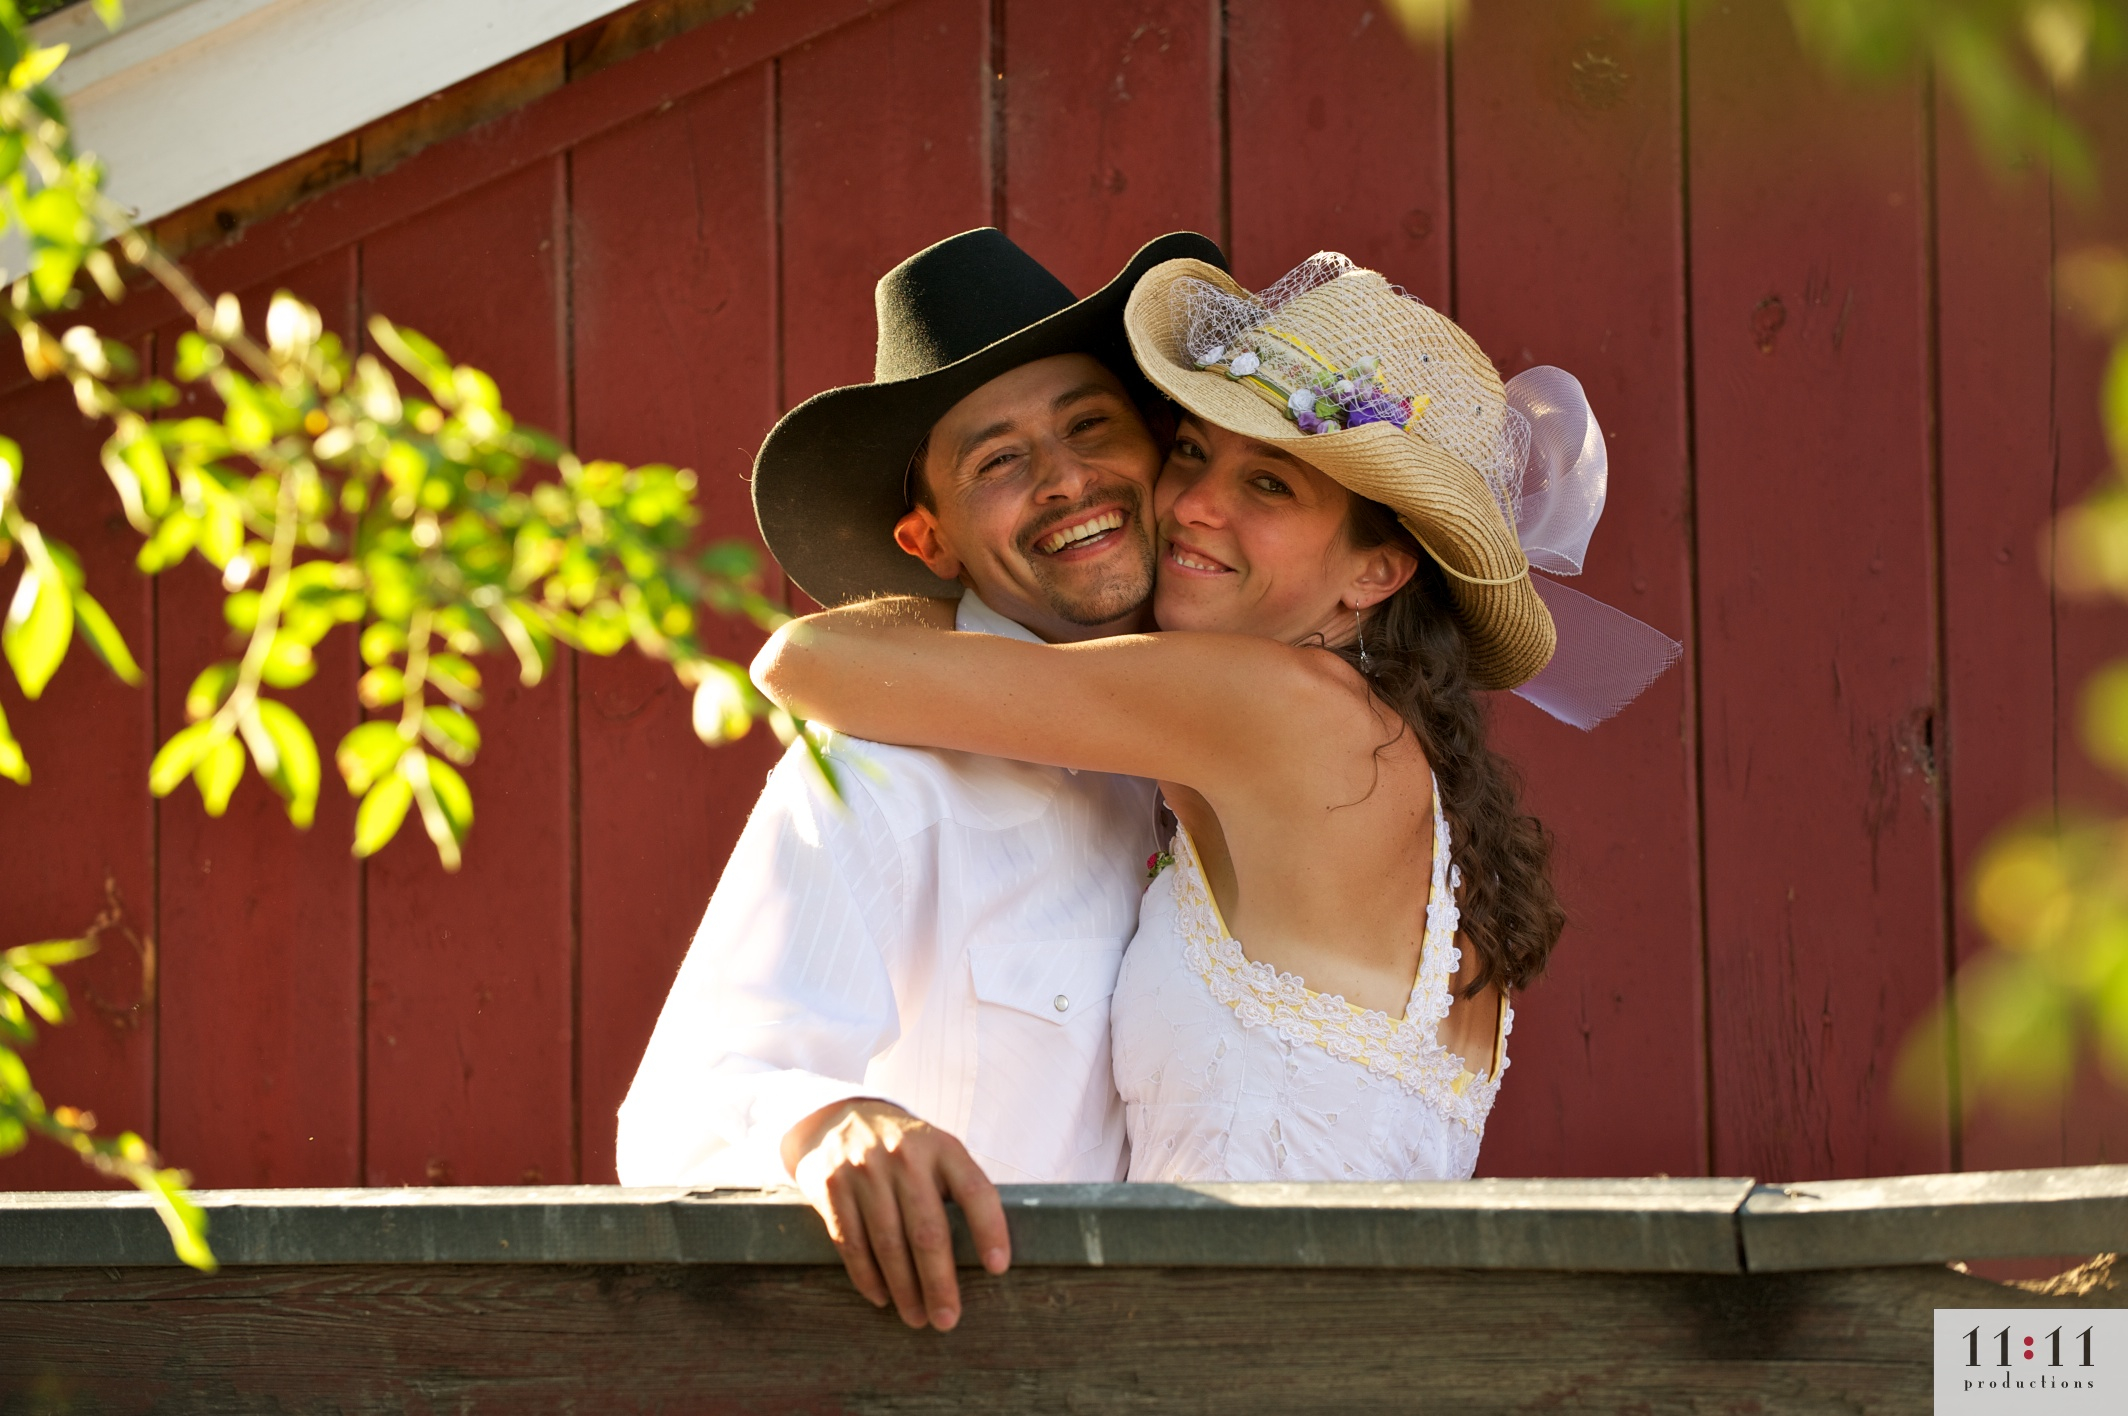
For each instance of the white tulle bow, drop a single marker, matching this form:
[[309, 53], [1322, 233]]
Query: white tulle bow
[[1605, 656]]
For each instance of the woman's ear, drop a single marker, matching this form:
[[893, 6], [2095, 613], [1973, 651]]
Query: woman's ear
[[918, 533], [1384, 570]]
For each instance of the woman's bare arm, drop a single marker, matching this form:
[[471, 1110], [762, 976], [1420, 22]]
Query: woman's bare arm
[[1182, 707]]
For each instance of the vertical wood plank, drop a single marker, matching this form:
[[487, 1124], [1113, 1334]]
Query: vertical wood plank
[[882, 144], [2092, 1125], [1826, 935], [85, 822], [1334, 94], [261, 923], [1569, 228], [1112, 129], [675, 330], [469, 975]]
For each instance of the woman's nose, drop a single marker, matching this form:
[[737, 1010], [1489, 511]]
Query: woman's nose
[[1200, 503]]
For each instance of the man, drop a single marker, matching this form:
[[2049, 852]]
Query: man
[[905, 998]]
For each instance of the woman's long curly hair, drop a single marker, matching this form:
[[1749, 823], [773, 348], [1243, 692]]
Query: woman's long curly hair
[[1417, 660]]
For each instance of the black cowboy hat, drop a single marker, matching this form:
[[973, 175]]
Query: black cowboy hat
[[832, 477]]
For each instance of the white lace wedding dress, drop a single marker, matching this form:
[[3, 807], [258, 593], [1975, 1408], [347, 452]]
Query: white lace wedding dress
[[1230, 1070]]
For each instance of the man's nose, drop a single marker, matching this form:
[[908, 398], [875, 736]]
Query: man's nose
[[1060, 474]]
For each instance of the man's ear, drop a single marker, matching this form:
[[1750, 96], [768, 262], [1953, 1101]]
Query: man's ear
[[918, 533], [1384, 570]]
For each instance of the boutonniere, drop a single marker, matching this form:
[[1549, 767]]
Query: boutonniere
[[1157, 862]]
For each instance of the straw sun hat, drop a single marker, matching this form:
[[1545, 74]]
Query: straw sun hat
[[1388, 397]]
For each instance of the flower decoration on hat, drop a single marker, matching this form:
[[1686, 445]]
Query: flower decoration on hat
[[1323, 399]]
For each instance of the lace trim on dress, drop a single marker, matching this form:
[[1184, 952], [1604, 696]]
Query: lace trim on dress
[[1405, 1051]]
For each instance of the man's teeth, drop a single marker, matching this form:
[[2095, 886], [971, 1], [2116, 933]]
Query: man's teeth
[[1190, 562], [1084, 531]]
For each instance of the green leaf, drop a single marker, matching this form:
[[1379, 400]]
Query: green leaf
[[380, 642], [367, 753], [197, 356], [455, 678], [452, 733], [220, 768], [288, 662], [453, 796], [52, 273], [104, 638], [381, 687], [170, 544], [13, 1135], [378, 819], [241, 610], [209, 689], [40, 622], [111, 12], [299, 772], [36, 66], [55, 215], [183, 1219], [13, 765], [722, 711], [144, 455], [180, 755]]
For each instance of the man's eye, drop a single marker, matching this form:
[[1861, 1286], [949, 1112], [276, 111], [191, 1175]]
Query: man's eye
[[996, 462], [1094, 421]]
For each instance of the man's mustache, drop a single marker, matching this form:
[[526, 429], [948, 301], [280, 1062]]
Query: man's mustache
[[1129, 497]]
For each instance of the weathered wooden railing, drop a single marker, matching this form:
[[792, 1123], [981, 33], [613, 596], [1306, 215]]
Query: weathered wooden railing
[[1501, 1295]]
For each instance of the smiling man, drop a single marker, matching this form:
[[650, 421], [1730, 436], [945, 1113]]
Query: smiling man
[[903, 998]]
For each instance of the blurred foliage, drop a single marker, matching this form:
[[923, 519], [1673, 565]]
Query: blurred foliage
[[2051, 893], [387, 496]]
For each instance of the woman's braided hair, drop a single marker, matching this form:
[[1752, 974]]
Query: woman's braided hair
[[1417, 660]]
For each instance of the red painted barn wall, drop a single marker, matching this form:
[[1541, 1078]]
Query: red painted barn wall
[[1817, 331]]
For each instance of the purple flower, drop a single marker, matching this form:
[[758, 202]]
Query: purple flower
[[1309, 423]]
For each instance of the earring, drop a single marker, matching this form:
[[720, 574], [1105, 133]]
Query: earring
[[1359, 629]]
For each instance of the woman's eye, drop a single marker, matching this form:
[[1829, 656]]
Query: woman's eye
[[1187, 448], [1268, 483]]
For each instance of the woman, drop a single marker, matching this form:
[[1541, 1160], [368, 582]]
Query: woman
[[1335, 536]]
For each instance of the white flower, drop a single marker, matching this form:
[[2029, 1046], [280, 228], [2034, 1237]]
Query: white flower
[[1302, 400], [1245, 363], [1215, 354], [1344, 386]]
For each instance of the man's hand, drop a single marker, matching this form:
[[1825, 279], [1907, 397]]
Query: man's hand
[[880, 1178]]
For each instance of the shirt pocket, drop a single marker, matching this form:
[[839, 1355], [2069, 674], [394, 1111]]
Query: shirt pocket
[[1045, 1090]]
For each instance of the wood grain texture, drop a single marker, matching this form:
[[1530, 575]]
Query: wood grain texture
[[882, 153], [2092, 1123], [675, 357], [1570, 240], [1112, 129], [1817, 629], [469, 975], [84, 827], [260, 921], [1332, 91], [710, 1339]]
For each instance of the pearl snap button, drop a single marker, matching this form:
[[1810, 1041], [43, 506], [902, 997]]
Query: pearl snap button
[[1063, 1004]]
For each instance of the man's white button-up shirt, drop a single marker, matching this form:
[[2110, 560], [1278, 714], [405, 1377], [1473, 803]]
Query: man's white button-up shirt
[[947, 940]]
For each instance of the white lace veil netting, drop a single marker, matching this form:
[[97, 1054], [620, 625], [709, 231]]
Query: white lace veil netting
[[1536, 443]]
